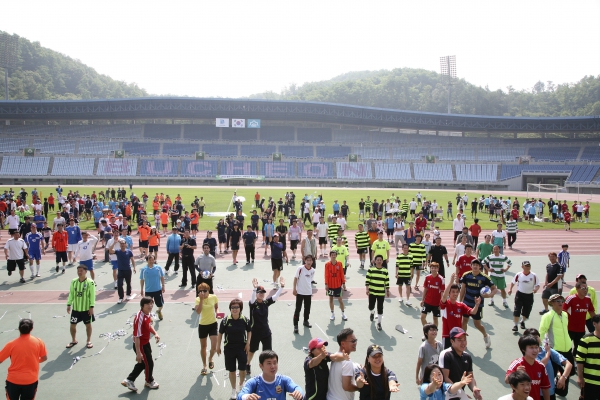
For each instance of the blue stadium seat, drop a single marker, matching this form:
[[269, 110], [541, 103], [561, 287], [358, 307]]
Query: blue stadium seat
[[583, 174], [239, 134], [388, 172], [255, 151], [21, 166], [125, 131], [70, 166], [277, 134], [433, 172], [351, 136], [314, 135], [78, 131], [49, 146], [372, 153], [354, 170], [333, 151], [201, 132], [315, 170], [179, 149], [220, 150], [159, 168], [238, 168], [162, 131], [591, 153], [278, 169], [562, 153], [101, 148], [117, 167], [13, 145], [142, 148], [476, 172], [297, 151], [409, 153], [500, 153], [453, 153], [199, 168], [35, 130]]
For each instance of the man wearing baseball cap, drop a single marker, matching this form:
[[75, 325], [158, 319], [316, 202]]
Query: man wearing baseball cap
[[581, 278], [527, 284], [455, 361], [555, 323], [316, 370]]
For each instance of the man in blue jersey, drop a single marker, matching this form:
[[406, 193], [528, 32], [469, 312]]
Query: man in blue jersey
[[472, 283], [74, 237], [34, 240], [270, 385]]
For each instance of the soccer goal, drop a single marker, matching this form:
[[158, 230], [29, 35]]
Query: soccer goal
[[544, 190]]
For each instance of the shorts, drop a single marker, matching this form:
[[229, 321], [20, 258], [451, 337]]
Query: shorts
[[88, 263], [153, 249], [233, 354], [194, 227], [335, 212], [322, 240], [257, 339], [412, 212], [72, 247], [11, 265], [35, 256], [403, 281], [222, 239], [579, 215], [97, 225], [276, 264], [11, 231], [144, 244], [158, 298], [165, 226], [390, 232], [268, 240], [477, 316], [426, 309], [61, 256], [235, 246], [334, 292], [81, 316], [362, 251], [293, 244], [207, 330], [523, 304], [549, 292], [114, 264], [499, 281], [418, 267]]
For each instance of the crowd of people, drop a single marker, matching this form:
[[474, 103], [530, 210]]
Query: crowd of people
[[551, 354]]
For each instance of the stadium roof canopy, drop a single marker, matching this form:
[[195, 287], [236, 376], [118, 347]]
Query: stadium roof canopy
[[327, 113]]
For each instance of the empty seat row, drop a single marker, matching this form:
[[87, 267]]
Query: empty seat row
[[30, 166], [583, 174], [48, 146], [385, 171], [477, 172], [13, 145], [562, 153], [433, 172], [70, 166]]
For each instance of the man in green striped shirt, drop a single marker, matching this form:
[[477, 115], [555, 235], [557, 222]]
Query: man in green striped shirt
[[362, 242], [404, 207], [511, 230], [494, 267], [378, 286], [82, 298], [332, 230], [404, 263], [419, 253], [588, 362], [368, 205]]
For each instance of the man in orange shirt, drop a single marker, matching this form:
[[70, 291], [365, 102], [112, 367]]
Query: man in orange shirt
[[475, 229], [164, 221], [26, 353], [60, 240], [194, 219], [144, 232], [334, 279]]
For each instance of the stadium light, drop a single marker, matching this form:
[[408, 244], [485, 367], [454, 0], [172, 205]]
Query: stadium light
[[448, 72], [9, 56]]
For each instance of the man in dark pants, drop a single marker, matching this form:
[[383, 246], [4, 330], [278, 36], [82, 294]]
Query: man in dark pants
[[303, 279], [125, 261], [249, 238], [173, 245], [187, 247]]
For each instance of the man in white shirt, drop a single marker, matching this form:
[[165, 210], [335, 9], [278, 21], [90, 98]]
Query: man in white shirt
[[322, 228], [303, 279], [13, 222], [457, 225], [413, 207], [85, 250], [58, 220], [316, 217], [15, 251], [342, 383], [342, 221]]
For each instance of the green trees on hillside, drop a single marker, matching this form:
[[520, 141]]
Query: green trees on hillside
[[44, 74]]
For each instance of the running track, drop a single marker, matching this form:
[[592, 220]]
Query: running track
[[529, 244]]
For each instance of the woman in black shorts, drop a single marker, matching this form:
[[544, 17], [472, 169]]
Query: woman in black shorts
[[259, 319], [236, 329], [207, 305], [234, 241]]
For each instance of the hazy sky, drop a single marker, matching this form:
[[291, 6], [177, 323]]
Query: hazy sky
[[236, 48]]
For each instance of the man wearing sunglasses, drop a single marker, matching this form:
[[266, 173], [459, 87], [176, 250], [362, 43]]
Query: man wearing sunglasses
[[342, 383]]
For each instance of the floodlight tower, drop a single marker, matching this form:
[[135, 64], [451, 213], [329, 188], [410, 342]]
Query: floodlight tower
[[448, 68], [9, 46]]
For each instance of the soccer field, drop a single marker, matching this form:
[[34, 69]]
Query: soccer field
[[218, 199]]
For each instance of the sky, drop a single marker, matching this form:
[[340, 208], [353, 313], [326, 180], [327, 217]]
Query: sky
[[222, 48]]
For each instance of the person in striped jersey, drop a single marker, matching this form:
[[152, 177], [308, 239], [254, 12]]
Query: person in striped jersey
[[417, 250], [362, 242], [378, 287], [511, 230], [404, 207], [343, 255], [368, 205], [82, 298], [404, 262], [588, 362], [494, 267], [332, 230]]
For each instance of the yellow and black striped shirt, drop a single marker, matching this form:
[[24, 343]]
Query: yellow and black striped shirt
[[377, 281], [332, 232], [82, 294], [362, 240], [368, 204], [588, 355], [418, 252], [403, 264]]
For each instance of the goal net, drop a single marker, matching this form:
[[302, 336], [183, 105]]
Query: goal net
[[544, 190]]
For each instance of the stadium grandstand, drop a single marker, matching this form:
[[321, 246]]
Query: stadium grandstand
[[195, 141]]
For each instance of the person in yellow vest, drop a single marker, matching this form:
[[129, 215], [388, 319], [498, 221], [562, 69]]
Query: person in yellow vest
[[380, 247]]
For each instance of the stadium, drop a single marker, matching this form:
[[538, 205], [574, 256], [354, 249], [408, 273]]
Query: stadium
[[187, 141]]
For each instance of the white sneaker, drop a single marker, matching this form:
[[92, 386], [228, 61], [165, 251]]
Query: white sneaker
[[344, 318], [151, 385], [233, 394], [332, 317], [401, 300], [129, 385], [129, 297], [408, 303], [120, 301], [488, 341], [491, 304]]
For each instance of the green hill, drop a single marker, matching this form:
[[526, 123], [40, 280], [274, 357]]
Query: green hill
[[44, 74], [421, 90]]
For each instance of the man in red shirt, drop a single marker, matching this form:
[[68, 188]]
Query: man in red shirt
[[334, 279], [475, 229], [432, 294], [463, 264], [453, 310], [577, 306], [564, 206], [420, 223], [60, 241], [25, 353], [530, 348], [567, 219], [142, 328], [50, 202]]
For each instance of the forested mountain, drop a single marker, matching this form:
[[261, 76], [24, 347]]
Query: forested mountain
[[44, 74], [421, 90]]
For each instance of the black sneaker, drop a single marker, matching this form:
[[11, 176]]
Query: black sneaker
[[314, 283], [248, 370], [295, 328], [56, 269], [10, 273], [371, 317], [378, 326], [307, 324], [523, 325], [22, 280], [543, 312], [515, 329], [183, 285]]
